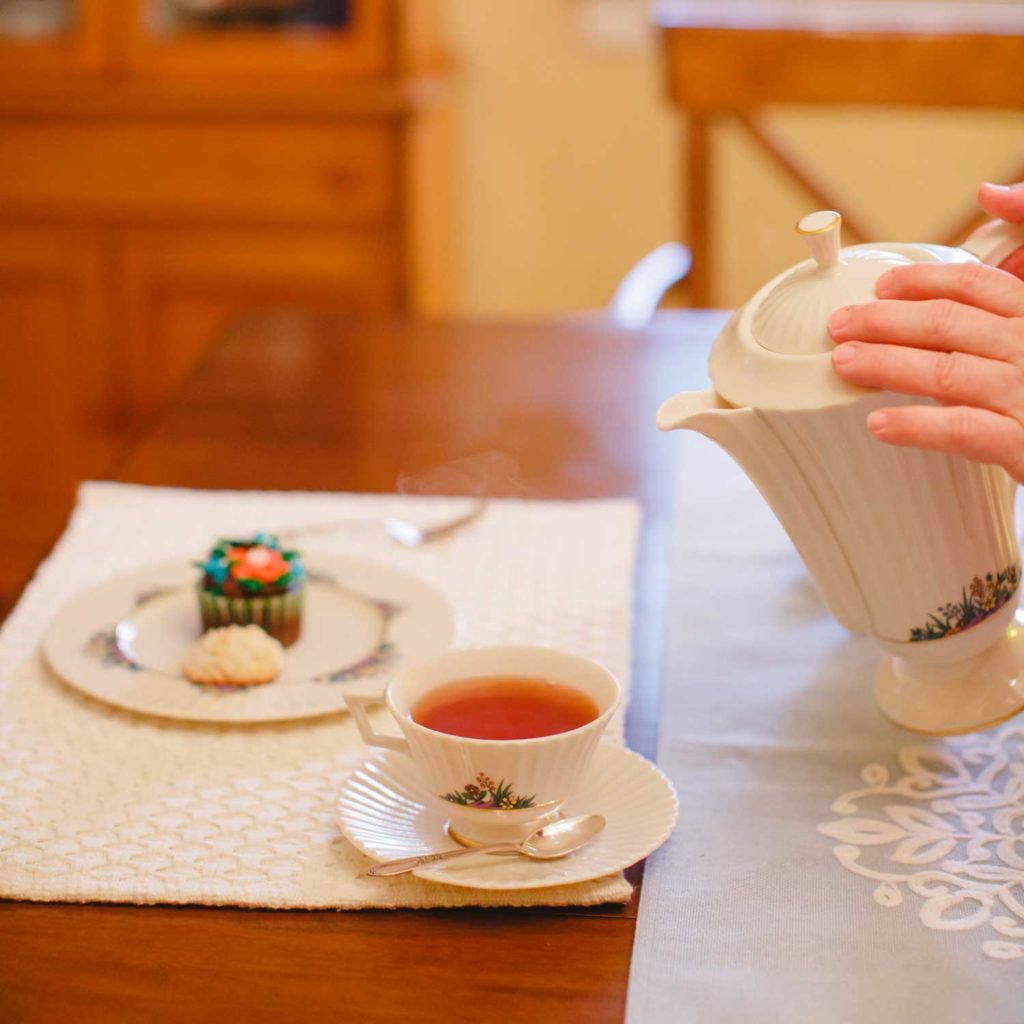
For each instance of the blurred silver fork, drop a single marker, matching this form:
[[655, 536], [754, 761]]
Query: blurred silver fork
[[412, 535], [401, 531]]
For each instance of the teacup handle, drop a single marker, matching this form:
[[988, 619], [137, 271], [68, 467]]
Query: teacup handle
[[357, 705]]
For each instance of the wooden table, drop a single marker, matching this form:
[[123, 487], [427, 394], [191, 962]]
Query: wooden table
[[291, 400]]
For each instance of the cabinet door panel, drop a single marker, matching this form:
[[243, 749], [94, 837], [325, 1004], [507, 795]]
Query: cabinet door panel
[[160, 42], [183, 287], [54, 36], [57, 398]]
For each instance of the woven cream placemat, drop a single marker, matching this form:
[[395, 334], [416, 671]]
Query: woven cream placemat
[[99, 804]]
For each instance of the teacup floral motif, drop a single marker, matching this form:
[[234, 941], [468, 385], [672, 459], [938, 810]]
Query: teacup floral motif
[[978, 602], [486, 793]]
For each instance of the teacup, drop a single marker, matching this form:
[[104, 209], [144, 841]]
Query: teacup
[[494, 790]]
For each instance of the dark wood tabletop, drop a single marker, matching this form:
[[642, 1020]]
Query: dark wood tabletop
[[560, 409]]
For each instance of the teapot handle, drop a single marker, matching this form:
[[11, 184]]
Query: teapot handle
[[995, 241]]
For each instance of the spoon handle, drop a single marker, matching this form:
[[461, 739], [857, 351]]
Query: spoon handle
[[443, 529], [406, 864]]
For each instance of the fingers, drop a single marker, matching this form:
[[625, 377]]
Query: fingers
[[939, 324], [952, 378], [1003, 201], [958, 430], [973, 284]]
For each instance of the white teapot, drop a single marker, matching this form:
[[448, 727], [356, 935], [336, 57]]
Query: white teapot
[[917, 548]]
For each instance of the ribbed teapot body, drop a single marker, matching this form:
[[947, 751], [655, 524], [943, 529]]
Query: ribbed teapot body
[[929, 538]]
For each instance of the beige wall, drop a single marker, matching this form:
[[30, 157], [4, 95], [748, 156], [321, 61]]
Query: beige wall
[[568, 159]]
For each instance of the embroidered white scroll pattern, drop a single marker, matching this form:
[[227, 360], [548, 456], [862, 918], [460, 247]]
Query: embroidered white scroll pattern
[[949, 829]]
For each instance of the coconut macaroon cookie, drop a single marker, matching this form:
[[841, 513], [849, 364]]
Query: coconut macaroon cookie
[[233, 656]]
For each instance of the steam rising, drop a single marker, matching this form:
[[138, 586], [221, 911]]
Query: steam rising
[[487, 475]]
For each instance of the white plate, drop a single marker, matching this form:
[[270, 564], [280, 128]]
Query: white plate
[[385, 815], [123, 641]]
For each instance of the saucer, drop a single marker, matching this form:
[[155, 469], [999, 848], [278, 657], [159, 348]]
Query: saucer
[[386, 815], [123, 641]]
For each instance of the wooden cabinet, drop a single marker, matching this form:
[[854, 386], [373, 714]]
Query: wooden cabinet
[[166, 165], [341, 38], [54, 36], [58, 419], [129, 171], [58, 407]]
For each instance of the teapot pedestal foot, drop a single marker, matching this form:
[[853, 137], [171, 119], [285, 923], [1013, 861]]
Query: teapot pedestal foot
[[959, 697]]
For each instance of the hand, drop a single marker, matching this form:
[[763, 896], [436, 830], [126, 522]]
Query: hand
[[952, 332]]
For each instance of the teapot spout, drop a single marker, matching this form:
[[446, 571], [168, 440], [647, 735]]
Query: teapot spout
[[762, 452], [693, 410]]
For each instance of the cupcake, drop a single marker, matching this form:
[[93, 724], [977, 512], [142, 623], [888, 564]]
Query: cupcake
[[253, 582]]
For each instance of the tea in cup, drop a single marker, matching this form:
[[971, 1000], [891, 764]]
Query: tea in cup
[[502, 735]]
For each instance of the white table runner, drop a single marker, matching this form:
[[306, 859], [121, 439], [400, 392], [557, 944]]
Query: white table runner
[[827, 866], [101, 804]]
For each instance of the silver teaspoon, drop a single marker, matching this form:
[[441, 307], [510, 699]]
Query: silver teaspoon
[[549, 842]]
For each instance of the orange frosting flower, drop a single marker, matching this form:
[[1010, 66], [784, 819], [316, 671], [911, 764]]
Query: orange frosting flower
[[257, 563]]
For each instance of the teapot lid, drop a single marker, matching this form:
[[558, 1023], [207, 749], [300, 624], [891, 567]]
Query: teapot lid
[[792, 316], [775, 352]]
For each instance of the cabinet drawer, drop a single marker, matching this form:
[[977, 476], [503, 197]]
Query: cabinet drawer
[[255, 172]]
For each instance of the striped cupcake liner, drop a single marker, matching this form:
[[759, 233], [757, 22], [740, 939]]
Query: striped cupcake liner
[[279, 614]]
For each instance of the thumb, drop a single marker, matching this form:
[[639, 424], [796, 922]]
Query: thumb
[[1003, 201]]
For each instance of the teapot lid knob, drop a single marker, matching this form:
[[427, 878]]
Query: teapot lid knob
[[790, 314], [820, 231]]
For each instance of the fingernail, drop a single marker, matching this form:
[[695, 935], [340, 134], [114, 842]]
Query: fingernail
[[839, 319], [844, 354], [878, 421], [1004, 188], [883, 286]]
